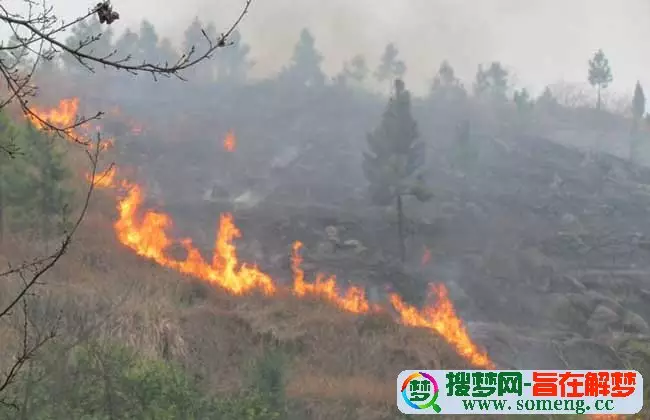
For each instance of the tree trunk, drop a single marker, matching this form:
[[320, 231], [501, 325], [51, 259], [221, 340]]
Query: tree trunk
[[598, 103], [400, 228]]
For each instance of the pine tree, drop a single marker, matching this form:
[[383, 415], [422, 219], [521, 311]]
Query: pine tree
[[393, 165], [390, 67], [491, 82], [638, 110], [305, 67], [233, 63], [38, 190], [638, 102], [600, 74], [446, 86]]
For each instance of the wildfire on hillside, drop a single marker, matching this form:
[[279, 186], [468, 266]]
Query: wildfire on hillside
[[230, 142], [145, 233]]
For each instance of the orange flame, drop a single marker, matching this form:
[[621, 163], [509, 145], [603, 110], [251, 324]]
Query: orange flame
[[104, 180], [442, 318], [230, 141], [148, 238], [64, 117]]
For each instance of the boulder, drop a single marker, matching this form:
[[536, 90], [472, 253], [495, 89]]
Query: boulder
[[602, 320], [634, 323]]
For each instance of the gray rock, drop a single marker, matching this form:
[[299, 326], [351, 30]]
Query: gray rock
[[567, 283], [602, 320], [634, 323]]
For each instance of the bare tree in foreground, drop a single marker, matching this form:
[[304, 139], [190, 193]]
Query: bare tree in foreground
[[35, 38]]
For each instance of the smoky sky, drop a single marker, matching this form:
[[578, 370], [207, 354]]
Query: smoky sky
[[540, 41]]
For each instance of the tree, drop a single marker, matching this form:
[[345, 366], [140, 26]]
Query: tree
[[638, 102], [394, 161], [305, 69], [446, 86], [233, 64], [600, 74], [638, 111], [355, 70], [197, 35], [492, 82], [390, 67], [37, 33], [522, 100]]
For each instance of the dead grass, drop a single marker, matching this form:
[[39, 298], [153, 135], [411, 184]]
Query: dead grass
[[337, 361]]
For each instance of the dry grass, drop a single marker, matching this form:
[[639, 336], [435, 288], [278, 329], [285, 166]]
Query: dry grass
[[339, 363]]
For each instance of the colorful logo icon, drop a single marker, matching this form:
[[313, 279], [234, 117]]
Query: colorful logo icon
[[420, 391]]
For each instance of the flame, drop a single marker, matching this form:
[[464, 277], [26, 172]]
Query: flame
[[148, 238], [230, 141], [426, 257], [64, 117], [442, 318], [354, 300], [104, 180]]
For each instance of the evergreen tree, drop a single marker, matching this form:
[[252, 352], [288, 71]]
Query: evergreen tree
[[38, 190], [390, 67], [233, 63], [522, 100], [446, 86], [638, 110], [305, 69], [8, 152], [465, 149], [82, 33], [356, 70], [393, 165], [638, 102], [194, 38], [492, 82], [148, 43], [600, 74]]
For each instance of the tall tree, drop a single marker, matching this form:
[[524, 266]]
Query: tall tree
[[390, 67], [233, 63], [638, 111], [355, 70], [305, 67], [148, 42], [194, 38], [600, 74], [638, 102], [446, 86], [492, 82], [394, 162]]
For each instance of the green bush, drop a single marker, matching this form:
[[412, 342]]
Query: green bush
[[114, 383]]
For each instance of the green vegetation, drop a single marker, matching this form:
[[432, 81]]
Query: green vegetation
[[600, 74], [394, 163], [34, 195], [98, 382]]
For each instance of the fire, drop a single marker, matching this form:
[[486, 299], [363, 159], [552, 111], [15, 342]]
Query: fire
[[106, 179], [230, 141], [64, 116], [148, 238], [442, 318], [354, 300]]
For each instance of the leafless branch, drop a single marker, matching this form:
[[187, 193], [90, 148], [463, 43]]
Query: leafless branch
[[34, 35]]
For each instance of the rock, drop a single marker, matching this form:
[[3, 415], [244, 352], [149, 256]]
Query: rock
[[634, 323], [581, 353], [567, 284], [566, 312], [602, 320], [537, 268]]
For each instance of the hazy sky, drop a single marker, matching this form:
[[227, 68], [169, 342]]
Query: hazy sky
[[540, 41]]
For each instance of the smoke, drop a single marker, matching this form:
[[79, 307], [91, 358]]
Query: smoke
[[541, 41]]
